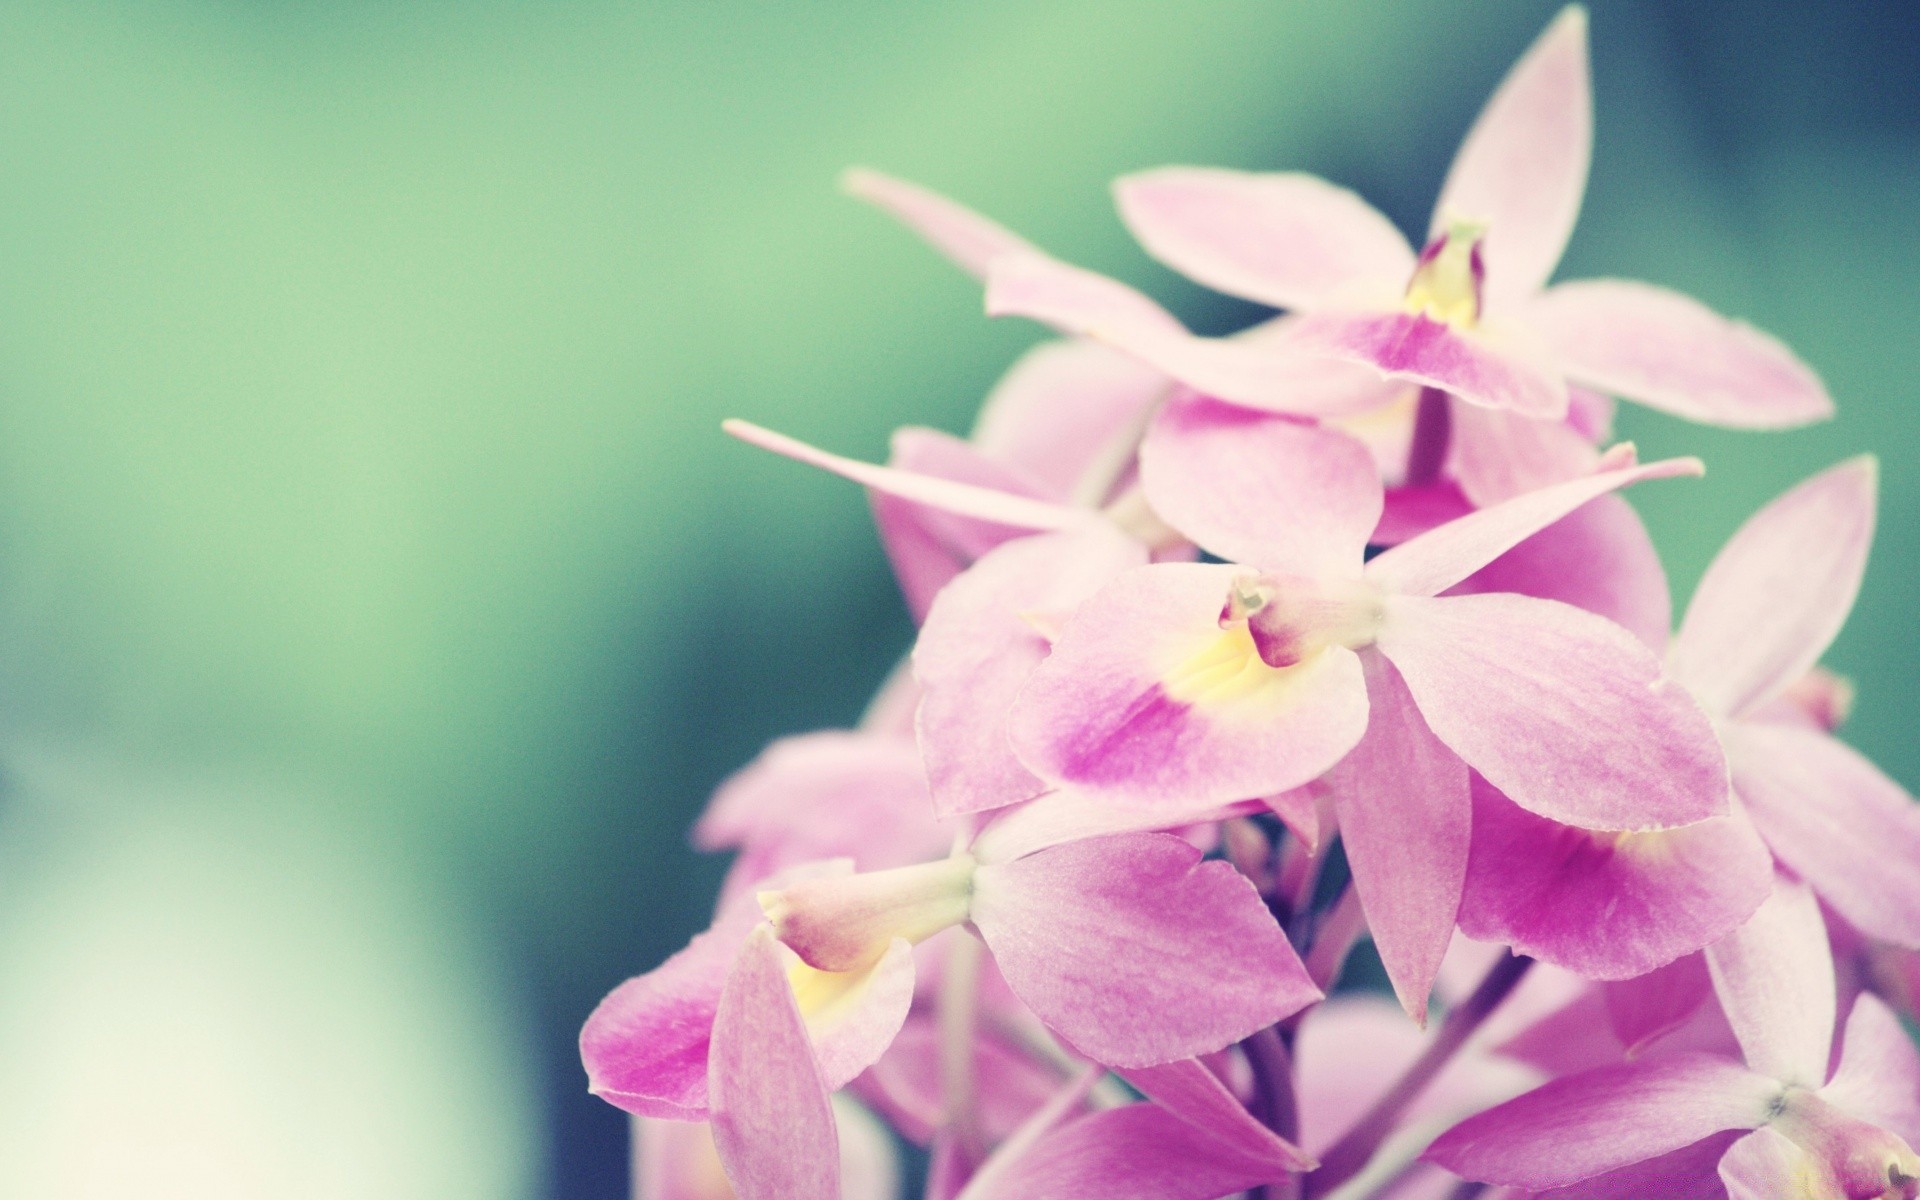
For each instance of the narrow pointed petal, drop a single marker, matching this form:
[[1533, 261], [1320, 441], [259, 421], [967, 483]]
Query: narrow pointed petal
[[1290, 240], [1188, 1090], [977, 649], [1405, 819], [1145, 699], [1135, 1152], [1691, 1173], [1838, 821], [1774, 976], [1599, 558], [1605, 905], [1655, 1004], [772, 1120], [1673, 353], [970, 240], [1436, 560], [1878, 1079], [1488, 367], [1496, 455], [1565, 712], [1777, 593], [1522, 169], [1065, 413], [1258, 372], [1580, 1126], [1136, 952], [1069, 816], [985, 504], [1256, 488]]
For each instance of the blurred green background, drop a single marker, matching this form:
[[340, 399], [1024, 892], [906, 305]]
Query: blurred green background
[[378, 599]]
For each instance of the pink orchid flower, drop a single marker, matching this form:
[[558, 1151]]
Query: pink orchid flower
[[1781, 1124], [677, 1160]]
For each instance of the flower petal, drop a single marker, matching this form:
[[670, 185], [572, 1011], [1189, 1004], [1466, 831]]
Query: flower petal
[[1580, 1126], [1404, 817], [772, 1120], [1069, 816], [1774, 597], [905, 1084], [964, 236], [1878, 1079], [1256, 488], [1604, 905], [1188, 1090], [1135, 951], [1774, 976], [1134, 1152], [1764, 1166], [977, 649], [1523, 166], [1289, 239], [1065, 412], [1673, 353], [1142, 700], [1434, 561], [1487, 367], [1565, 712], [1496, 454], [1690, 1173], [1650, 1006]]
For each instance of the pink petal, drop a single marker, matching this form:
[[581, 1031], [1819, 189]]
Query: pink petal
[[852, 1016], [1135, 1152], [1496, 454], [1436, 560], [1187, 1089], [772, 1121], [1565, 712], [1691, 1173], [1523, 166], [1289, 240], [676, 1160], [1259, 372], [966, 237], [1404, 819], [1764, 1166], [977, 649], [1097, 714], [1068, 816], [1774, 976], [1065, 411], [986, 504], [906, 1085], [1599, 558], [1878, 1080], [1837, 821], [1671, 352], [1581, 1126], [1777, 593], [1412, 511], [1255, 488], [1136, 952], [1604, 905], [1650, 1006], [1485, 366]]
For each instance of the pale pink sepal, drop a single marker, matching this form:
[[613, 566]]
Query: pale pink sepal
[[1670, 352], [1135, 1152], [772, 1120], [1070, 816], [1766, 1166], [1690, 1173], [978, 647], [1837, 821], [1496, 455], [1434, 561], [1775, 596], [1288, 239], [1491, 367], [1196, 1095], [1256, 488], [1580, 1126], [1405, 820], [1097, 714], [1607, 905], [1878, 1079], [1064, 414], [1522, 169], [1774, 976], [1565, 712], [1136, 952], [964, 236], [855, 1015]]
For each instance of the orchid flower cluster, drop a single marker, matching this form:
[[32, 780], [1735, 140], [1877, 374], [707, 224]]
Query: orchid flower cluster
[[1237, 652]]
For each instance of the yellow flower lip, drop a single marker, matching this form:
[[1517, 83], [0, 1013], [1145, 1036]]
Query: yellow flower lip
[[1447, 282]]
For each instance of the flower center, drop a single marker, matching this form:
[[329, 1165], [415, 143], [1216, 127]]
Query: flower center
[[1846, 1158], [1448, 279], [1290, 618]]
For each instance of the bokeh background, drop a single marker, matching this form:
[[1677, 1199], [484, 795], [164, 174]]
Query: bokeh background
[[379, 601]]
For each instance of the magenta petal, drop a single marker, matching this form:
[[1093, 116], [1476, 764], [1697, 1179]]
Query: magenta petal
[[853, 1016], [1255, 488], [1136, 952], [1135, 1152], [1565, 712], [1606, 905], [1586, 1125], [1191, 1092], [905, 1084], [1523, 166], [1068, 816], [772, 1119], [1438, 559], [1655, 1004], [969, 239], [1774, 976], [1404, 819], [1837, 820], [1878, 1079], [1496, 455], [1414, 348], [1673, 353], [1065, 412], [1691, 1173], [978, 648], [1098, 715], [1778, 592], [1286, 239], [1600, 558]]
